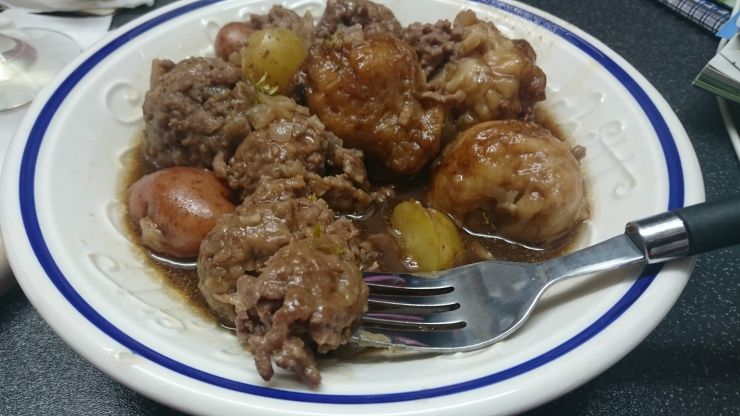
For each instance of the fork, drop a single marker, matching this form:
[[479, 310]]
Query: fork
[[474, 306]]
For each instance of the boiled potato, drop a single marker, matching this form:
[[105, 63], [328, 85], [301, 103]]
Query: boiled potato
[[272, 56], [429, 238], [175, 208], [231, 38]]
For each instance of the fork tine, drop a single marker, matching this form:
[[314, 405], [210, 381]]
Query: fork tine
[[432, 341], [412, 322], [411, 304], [406, 284]]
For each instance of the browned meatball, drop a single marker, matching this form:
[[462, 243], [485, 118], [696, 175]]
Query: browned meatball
[[373, 17], [492, 76], [278, 212], [310, 293], [434, 43], [288, 142], [175, 208], [511, 178], [279, 16], [193, 110], [365, 89]]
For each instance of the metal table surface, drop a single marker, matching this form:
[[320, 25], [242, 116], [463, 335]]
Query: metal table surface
[[689, 365]]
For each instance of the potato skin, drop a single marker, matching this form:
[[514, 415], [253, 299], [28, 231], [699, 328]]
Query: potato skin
[[275, 54], [175, 208], [429, 238], [231, 38]]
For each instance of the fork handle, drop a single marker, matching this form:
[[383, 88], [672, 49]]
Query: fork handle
[[687, 231]]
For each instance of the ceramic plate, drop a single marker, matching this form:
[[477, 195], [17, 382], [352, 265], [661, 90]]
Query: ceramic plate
[[62, 220]]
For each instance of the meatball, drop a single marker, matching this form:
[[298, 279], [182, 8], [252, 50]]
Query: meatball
[[373, 17], [434, 43], [511, 178], [492, 76], [175, 208], [279, 16], [278, 212], [366, 89], [193, 110], [310, 292], [288, 142]]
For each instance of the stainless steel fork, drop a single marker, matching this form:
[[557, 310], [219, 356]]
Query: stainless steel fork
[[473, 306]]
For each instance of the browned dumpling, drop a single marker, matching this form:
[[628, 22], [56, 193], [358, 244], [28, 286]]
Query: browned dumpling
[[491, 76], [366, 89], [513, 179]]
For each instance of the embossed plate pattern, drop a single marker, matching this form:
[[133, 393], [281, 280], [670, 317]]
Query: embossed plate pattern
[[87, 280]]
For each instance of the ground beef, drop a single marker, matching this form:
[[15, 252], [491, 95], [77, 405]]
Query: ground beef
[[288, 142], [374, 18], [340, 193], [278, 212], [286, 273], [349, 161], [309, 295], [434, 43], [279, 16], [193, 110]]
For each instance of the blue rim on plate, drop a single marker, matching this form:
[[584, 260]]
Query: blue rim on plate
[[46, 260]]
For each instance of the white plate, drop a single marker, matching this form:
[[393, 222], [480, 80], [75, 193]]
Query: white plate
[[62, 225]]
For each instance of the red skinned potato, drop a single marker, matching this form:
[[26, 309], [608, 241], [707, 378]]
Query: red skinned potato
[[231, 38], [175, 208]]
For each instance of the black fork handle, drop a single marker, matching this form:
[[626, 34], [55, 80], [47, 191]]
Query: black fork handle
[[687, 231]]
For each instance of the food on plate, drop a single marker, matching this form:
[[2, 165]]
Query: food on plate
[[279, 212], [352, 145], [272, 56], [367, 89], [484, 75], [231, 38], [428, 237], [514, 177], [175, 208], [279, 16], [288, 141], [194, 109], [310, 290], [372, 17]]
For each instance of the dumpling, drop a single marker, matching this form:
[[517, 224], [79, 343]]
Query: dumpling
[[513, 179], [491, 76], [367, 89]]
